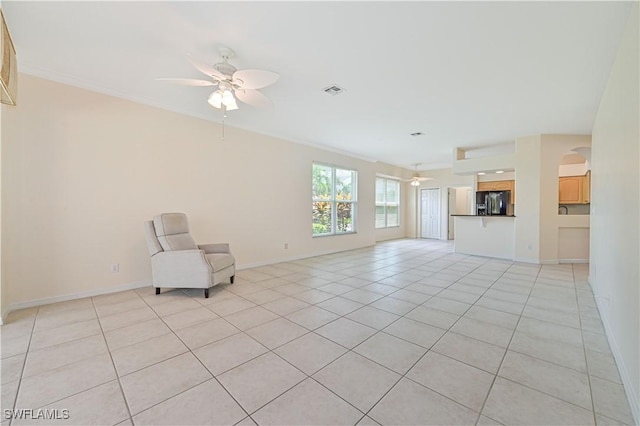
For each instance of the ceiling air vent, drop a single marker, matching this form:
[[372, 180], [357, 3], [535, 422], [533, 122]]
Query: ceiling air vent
[[333, 90], [417, 134]]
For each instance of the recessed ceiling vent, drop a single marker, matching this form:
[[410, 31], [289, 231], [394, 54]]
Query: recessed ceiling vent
[[333, 90], [417, 134]]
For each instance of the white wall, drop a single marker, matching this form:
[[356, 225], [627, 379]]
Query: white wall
[[463, 200], [615, 211], [3, 286], [528, 193], [573, 245], [579, 169], [492, 177], [81, 171]]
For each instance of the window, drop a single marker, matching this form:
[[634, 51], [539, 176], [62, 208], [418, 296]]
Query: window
[[387, 203], [334, 200]]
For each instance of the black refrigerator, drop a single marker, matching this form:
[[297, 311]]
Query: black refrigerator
[[490, 203]]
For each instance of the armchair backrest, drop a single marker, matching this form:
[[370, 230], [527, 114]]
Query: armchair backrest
[[172, 232], [152, 240]]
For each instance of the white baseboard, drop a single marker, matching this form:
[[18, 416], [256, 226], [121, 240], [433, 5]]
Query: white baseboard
[[293, 258], [550, 261], [527, 260], [73, 296], [615, 350]]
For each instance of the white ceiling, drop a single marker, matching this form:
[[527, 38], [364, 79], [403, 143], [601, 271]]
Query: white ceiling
[[466, 74]]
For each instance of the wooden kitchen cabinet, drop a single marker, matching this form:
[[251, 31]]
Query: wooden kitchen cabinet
[[571, 190], [499, 185]]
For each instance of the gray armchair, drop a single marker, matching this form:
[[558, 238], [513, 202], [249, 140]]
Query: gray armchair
[[176, 260]]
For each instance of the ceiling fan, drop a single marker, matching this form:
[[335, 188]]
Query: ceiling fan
[[416, 179], [231, 83]]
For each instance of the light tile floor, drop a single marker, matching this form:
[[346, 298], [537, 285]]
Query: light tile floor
[[405, 332]]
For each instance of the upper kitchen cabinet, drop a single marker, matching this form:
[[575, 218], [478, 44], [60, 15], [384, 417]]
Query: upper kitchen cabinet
[[574, 186], [575, 189], [499, 185], [570, 190]]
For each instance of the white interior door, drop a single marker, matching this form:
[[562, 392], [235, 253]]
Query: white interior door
[[430, 213]]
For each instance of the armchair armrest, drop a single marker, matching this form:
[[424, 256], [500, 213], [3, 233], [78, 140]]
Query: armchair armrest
[[215, 248], [181, 267]]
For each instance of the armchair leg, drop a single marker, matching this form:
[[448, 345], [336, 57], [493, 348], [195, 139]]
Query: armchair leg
[[206, 293], [231, 279], [157, 290]]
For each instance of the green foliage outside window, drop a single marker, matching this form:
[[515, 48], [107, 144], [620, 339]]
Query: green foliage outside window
[[333, 200]]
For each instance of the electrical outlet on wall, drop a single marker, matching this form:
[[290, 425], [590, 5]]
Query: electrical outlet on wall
[[115, 268]]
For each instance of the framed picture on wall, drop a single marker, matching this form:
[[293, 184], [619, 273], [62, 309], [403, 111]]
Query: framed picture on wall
[[9, 68]]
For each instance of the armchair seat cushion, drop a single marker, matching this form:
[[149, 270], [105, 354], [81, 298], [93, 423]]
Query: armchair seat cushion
[[219, 261]]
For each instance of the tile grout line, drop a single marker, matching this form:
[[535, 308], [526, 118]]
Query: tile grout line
[[66, 365], [584, 349], [535, 357], [429, 350], [486, 398], [310, 376], [189, 350], [24, 364], [412, 268], [113, 365]]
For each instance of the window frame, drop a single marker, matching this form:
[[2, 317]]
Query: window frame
[[334, 201], [385, 204]]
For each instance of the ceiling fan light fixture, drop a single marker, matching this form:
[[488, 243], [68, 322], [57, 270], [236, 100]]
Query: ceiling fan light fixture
[[415, 182], [231, 105], [215, 100], [227, 98]]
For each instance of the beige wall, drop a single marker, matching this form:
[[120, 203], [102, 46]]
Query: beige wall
[[81, 171], [615, 211]]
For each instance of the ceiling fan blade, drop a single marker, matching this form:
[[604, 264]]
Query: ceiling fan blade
[[254, 98], [206, 69], [187, 81], [255, 79]]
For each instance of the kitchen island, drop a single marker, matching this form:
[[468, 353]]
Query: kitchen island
[[490, 236]]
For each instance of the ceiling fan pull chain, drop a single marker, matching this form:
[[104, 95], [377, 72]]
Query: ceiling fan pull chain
[[224, 117]]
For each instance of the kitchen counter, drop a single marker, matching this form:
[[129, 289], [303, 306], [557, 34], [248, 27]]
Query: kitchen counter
[[491, 235]]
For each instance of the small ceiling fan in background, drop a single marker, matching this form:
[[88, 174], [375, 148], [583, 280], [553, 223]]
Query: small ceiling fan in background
[[231, 83], [416, 179]]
